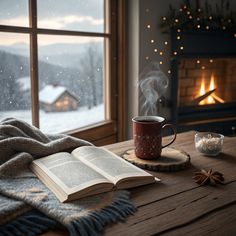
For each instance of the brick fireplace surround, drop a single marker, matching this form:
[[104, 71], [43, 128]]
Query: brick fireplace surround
[[205, 55], [192, 72]]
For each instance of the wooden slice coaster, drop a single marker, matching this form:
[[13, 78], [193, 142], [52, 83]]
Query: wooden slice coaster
[[170, 160]]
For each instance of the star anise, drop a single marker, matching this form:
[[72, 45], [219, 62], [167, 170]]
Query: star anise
[[208, 177]]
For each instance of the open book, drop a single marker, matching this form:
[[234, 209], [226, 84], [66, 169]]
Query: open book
[[88, 170]]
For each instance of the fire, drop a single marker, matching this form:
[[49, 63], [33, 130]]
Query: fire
[[212, 83], [202, 91], [212, 98]]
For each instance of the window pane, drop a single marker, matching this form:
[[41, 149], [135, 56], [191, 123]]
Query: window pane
[[79, 15], [70, 82], [15, 93], [14, 12]]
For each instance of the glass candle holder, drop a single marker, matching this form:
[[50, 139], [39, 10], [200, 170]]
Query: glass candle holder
[[209, 144]]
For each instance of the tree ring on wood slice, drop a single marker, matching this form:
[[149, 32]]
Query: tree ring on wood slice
[[170, 160]]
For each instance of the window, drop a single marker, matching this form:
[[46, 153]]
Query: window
[[59, 66]]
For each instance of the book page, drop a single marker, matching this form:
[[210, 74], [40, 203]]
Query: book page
[[107, 163], [68, 172]]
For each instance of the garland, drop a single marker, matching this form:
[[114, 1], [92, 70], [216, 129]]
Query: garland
[[195, 17]]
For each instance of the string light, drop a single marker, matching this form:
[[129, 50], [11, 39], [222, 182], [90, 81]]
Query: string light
[[178, 37], [147, 58], [199, 15]]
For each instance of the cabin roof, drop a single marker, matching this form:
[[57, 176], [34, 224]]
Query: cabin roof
[[50, 93]]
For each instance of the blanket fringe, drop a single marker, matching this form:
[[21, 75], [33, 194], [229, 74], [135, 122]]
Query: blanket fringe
[[31, 224], [34, 223], [94, 222]]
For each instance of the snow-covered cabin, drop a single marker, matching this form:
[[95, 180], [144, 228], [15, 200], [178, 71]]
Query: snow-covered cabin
[[54, 98]]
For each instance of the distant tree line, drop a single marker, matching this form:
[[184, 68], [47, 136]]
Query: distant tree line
[[11, 68], [84, 81]]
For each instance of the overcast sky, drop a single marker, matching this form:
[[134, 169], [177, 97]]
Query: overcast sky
[[82, 15]]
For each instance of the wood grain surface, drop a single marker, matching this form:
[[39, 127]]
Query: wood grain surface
[[171, 159], [177, 205]]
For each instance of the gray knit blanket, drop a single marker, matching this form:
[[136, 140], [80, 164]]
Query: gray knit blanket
[[28, 207]]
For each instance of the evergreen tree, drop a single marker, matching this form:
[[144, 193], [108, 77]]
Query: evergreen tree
[[10, 93], [91, 71]]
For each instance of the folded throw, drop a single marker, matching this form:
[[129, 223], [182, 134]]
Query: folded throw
[[27, 206]]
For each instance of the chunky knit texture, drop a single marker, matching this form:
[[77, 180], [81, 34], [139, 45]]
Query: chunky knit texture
[[27, 207]]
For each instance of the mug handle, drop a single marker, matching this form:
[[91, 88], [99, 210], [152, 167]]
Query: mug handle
[[174, 131]]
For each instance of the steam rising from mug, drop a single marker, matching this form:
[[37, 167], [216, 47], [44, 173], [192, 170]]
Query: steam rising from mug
[[153, 84]]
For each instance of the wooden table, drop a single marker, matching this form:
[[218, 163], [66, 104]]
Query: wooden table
[[177, 205]]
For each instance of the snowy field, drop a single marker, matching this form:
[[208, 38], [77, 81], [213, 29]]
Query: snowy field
[[58, 122]]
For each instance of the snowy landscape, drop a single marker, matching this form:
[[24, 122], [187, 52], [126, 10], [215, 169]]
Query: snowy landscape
[[58, 122], [70, 68]]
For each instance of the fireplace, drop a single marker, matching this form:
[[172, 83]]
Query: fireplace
[[204, 82]]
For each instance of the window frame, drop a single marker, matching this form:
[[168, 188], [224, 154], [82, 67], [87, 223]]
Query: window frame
[[112, 129]]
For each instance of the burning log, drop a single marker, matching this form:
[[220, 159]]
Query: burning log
[[197, 100], [218, 99]]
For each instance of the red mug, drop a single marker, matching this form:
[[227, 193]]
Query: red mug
[[147, 136]]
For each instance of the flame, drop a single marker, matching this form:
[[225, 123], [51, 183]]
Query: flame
[[212, 82], [213, 98], [210, 99], [202, 91]]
